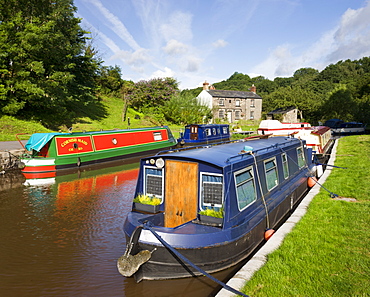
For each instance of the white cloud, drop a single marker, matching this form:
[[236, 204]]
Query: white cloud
[[349, 40], [174, 47], [166, 72], [193, 64], [177, 27], [352, 38], [219, 43], [118, 27], [135, 58]]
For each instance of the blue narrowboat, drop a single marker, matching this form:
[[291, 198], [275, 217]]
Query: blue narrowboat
[[212, 205], [197, 134]]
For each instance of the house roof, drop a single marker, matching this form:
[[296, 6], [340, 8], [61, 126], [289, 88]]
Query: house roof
[[282, 110], [233, 94]]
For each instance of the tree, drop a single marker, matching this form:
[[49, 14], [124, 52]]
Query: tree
[[109, 79], [340, 104], [184, 109], [47, 70], [153, 93], [305, 100], [126, 89]]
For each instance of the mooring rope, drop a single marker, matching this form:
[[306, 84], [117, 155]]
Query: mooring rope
[[147, 226], [332, 195]]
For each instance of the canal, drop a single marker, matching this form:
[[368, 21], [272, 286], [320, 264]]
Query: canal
[[62, 235]]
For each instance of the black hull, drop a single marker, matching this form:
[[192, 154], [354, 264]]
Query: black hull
[[165, 265]]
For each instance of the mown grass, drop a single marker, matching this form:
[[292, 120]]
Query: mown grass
[[10, 126], [328, 251]]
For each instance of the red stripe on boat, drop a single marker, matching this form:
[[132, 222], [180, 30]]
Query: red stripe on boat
[[36, 169]]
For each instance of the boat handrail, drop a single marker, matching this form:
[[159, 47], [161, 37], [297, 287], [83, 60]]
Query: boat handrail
[[16, 136], [244, 152]]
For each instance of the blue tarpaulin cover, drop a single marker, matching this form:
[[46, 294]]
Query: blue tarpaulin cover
[[38, 140]]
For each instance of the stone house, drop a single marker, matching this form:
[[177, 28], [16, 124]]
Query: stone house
[[232, 105], [284, 115]]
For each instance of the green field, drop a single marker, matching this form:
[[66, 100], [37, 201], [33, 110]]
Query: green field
[[328, 251], [10, 126]]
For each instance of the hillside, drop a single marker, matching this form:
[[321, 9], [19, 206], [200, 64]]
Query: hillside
[[10, 126]]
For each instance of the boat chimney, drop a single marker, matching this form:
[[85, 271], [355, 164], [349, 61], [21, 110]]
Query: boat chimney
[[206, 86], [253, 88]]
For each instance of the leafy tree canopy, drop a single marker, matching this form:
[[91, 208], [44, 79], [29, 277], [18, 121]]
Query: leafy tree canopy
[[47, 70], [152, 93], [185, 109]]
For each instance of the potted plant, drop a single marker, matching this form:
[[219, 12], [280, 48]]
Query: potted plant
[[146, 203], [211, 216]]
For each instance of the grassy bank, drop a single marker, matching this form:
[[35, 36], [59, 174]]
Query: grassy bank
[[10, 126], [328, 251]]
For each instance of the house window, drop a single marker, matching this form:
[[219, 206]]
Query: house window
[[221, 102], [271, 173], [245, 188], [237, 114], [229, 101], [221, 113], [252, 115], [285, 166], [301, 159], [252, 103], [237, 103], [153, 182], [211, 191]]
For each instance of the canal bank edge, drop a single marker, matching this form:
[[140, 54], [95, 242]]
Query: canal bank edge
[[9, 151], [259, 259]]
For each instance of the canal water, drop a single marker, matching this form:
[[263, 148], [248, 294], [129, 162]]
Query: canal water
[[62, 235]]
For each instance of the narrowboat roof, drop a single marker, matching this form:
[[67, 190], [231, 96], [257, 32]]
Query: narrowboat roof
[[207, 125], [221, 155], [38, 140]]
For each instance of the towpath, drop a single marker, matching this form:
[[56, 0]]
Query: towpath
[[11, 145]]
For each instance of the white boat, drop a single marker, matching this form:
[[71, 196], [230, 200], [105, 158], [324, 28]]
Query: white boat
[[318, 138], [277, 128]]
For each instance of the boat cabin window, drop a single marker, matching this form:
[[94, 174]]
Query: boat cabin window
[[271, 173], [225, 130], [208, 132], [285, 165], [157, 136], [153, 182], [214, 131], [301, 159], [245, 188], [211, 190]]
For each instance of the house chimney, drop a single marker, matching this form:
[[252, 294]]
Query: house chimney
[[253, 88], [206, 86]]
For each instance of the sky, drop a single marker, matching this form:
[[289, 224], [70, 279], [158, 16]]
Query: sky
[[208, 40]]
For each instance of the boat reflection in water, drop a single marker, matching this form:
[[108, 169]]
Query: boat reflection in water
[[62, 234]]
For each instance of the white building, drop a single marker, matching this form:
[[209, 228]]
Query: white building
[[232, 105]]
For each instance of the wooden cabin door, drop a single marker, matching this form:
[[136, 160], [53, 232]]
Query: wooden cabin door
[[181, 193], [194, 132]]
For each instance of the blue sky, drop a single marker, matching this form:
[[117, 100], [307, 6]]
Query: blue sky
[[198, 40]]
